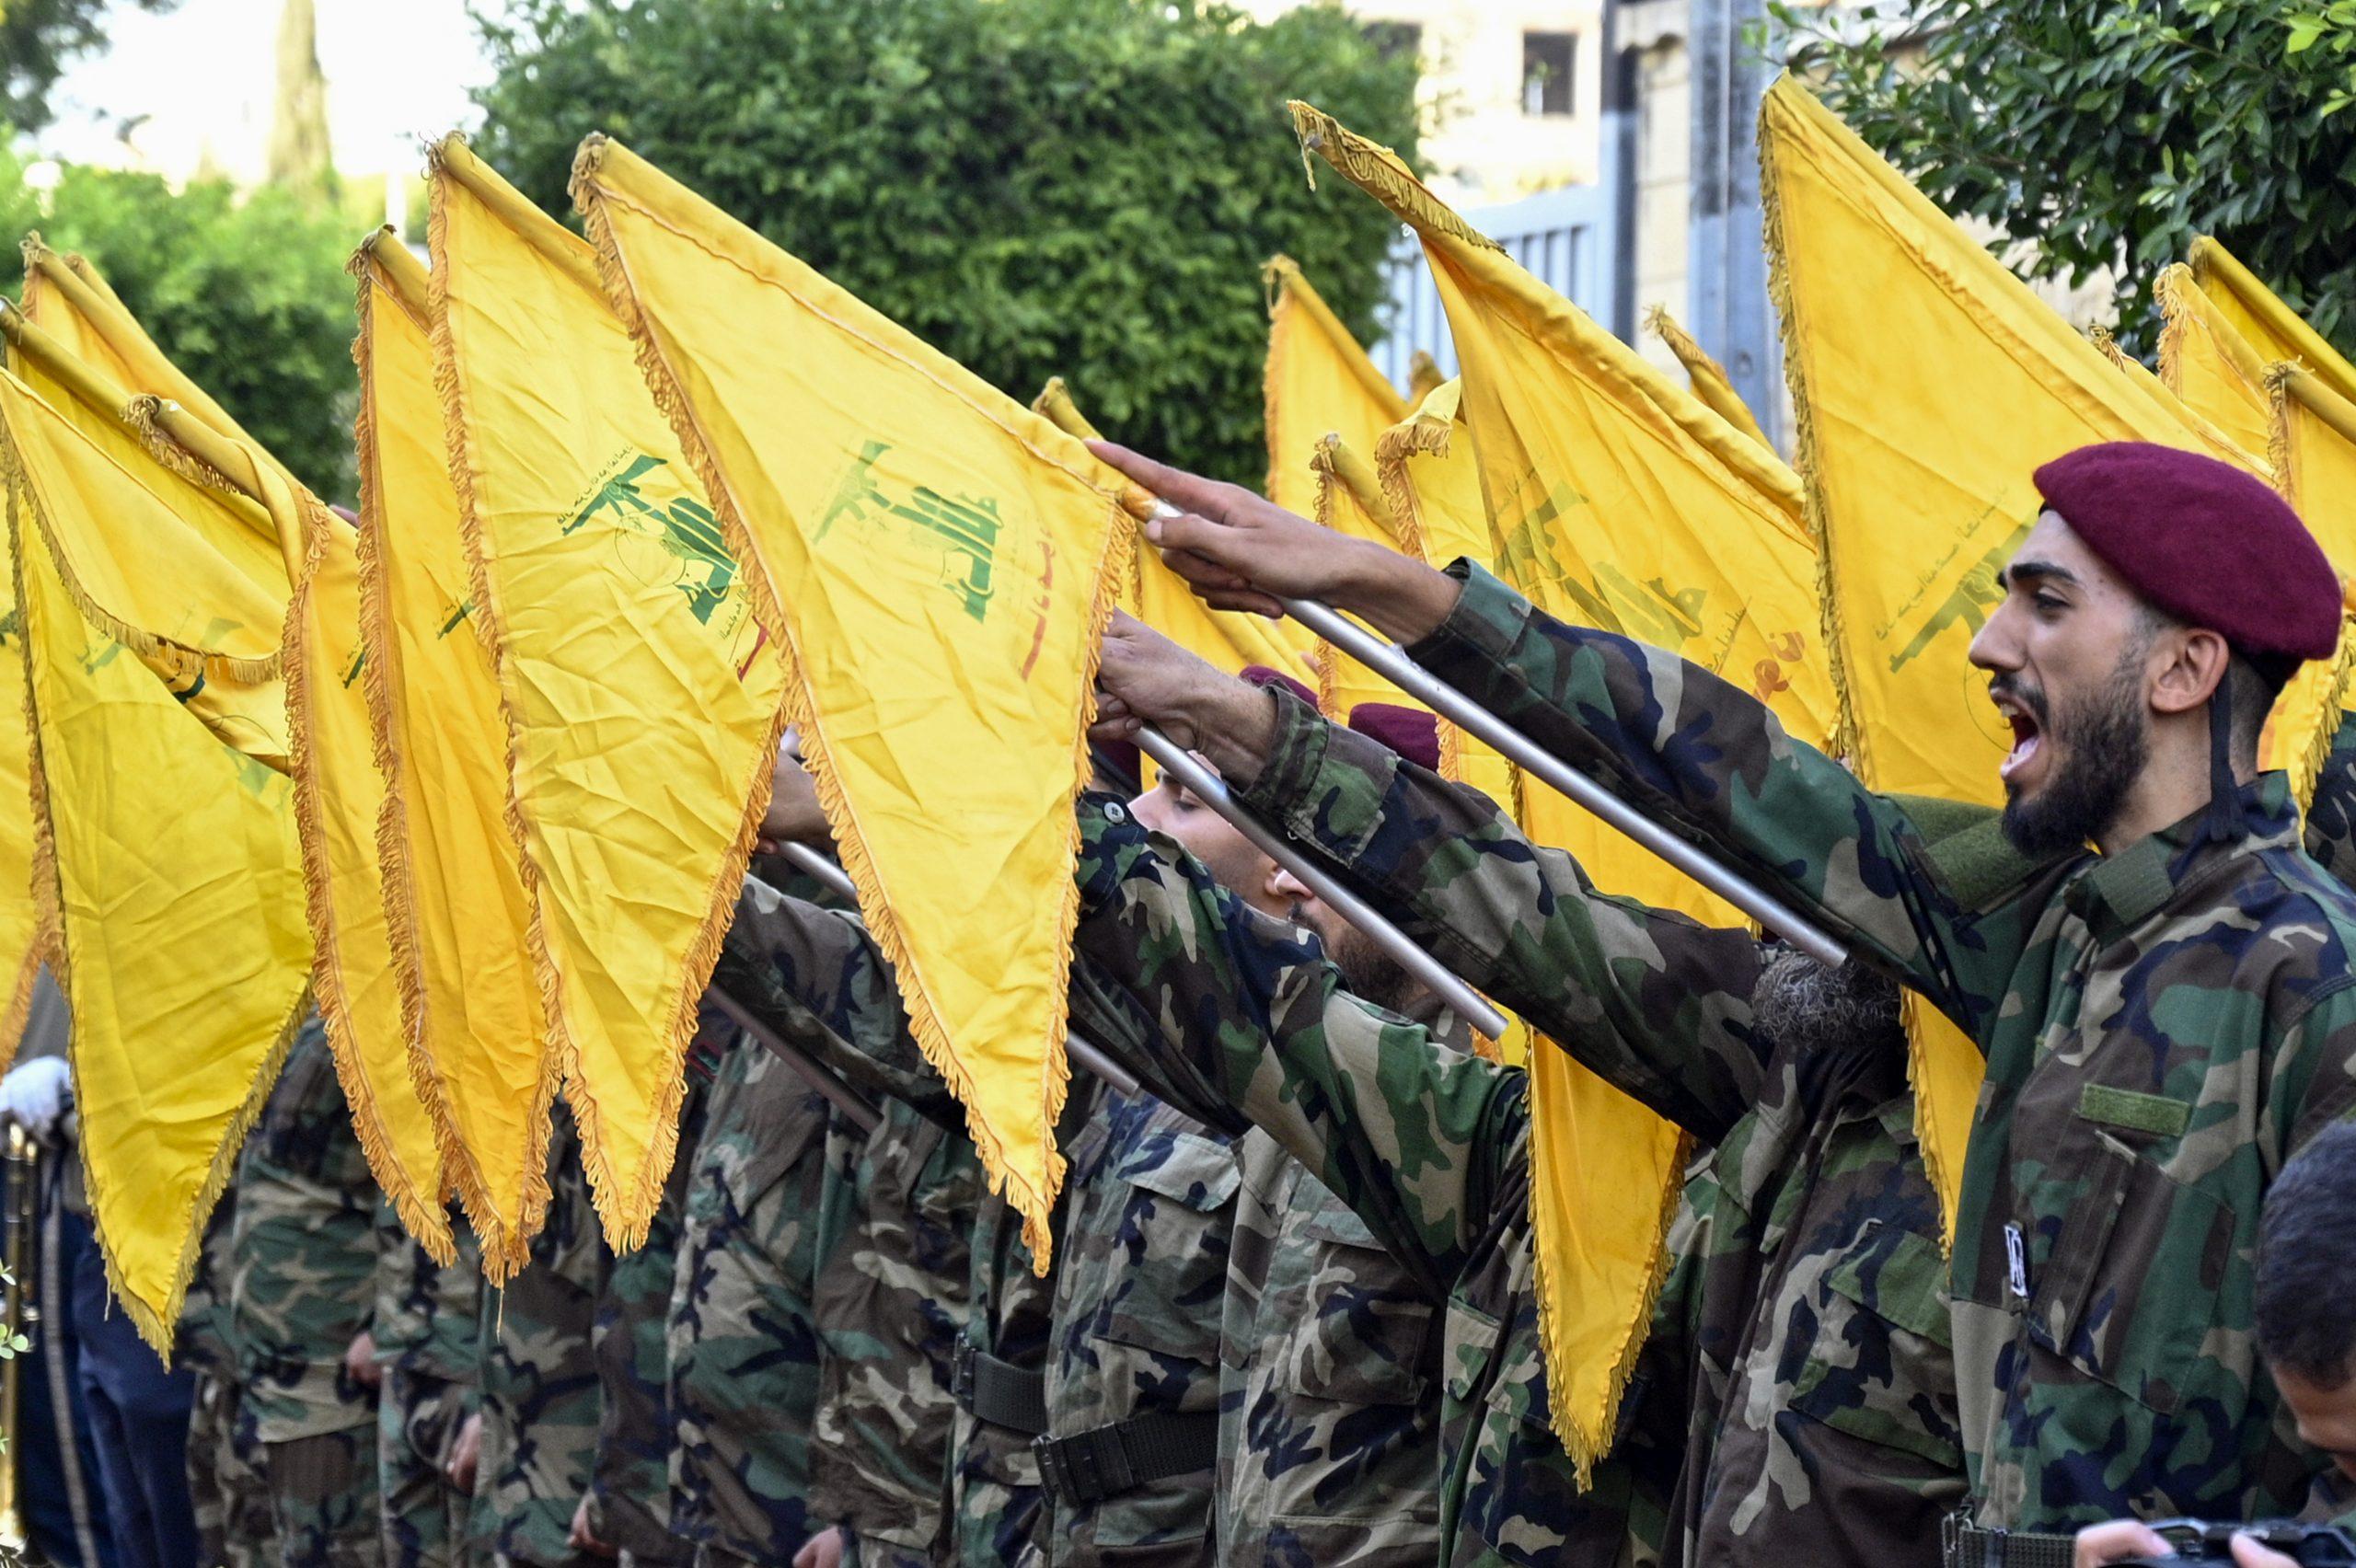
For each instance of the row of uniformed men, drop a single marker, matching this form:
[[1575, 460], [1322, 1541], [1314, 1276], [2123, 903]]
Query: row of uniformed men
[[1293, 1315]]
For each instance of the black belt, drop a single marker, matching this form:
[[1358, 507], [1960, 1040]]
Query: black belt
[[1966, 1545], [1088, 1467], [998, 1391]]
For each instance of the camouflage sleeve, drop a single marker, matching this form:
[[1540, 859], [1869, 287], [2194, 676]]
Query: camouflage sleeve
[[1712, 762], [2331, 816], [1658, 1004], [2313, 1076], [1420, 1141], [818, 978]]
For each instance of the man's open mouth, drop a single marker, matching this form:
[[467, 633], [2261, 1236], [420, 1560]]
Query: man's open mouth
[[2027, 734]]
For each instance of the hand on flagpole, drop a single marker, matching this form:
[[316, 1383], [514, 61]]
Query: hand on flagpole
[[793, 815], [1240, 552], [1144, 678]]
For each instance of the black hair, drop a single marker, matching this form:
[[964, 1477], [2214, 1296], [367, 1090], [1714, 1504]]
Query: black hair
[[2307, 1263]]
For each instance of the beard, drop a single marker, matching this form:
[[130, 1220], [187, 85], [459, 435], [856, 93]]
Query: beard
[[1807, 1008], [2102, 744], [1372, 974]]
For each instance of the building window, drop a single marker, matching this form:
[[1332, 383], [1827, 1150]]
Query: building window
[[1396, 40], [1549, 61]]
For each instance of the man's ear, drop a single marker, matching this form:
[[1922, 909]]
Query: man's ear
[[2193, 661], [1278, 890]]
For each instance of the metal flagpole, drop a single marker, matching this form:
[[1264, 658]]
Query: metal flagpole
[[1212, 792], [1087, 1053], [1390, 661]]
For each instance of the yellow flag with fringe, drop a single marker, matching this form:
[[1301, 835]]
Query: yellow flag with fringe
[[1929, 382], [337, 791], [2210, 367], [2213, 440], [1350, 500], [1620, 501], [1318, 383], [23, 939], [639, 673], [1160, 598], [953, 558], [2278, 333], [456, 907], [170, 886], [2312, 446], [1707, 377]]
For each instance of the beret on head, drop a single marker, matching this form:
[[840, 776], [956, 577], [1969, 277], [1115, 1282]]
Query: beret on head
[[1409, 731], [2203, 541], [1115, 766], [1261, 675]]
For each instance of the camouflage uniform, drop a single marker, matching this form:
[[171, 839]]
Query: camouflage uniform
[[425, 1332], [630, 1477], [2162, 1026], [303, 1255], [743, 1349], [1141, 1234], [891, 1302], [229, 1487], [538, 1381]]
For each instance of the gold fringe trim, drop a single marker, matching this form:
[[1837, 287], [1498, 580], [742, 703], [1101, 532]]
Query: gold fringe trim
[[379, 668], [506, 1242], [1589, 1445], [21, 1001], [417, 1210], [1848, 738], [155, 1326], [153, 647], [1036, 1203], [1378, 171], [1942, 1164]]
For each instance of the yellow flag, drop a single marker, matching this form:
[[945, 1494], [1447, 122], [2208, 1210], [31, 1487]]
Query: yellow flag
[[1319, 383], [1619, 501], [337, 791], [640, 680], [1350, 500], [1430, 479], [953, 558], [1160, 597], [23, 939], [2213, 439], [2312, 444], [2207, 365], [1929, 384], [455, 906], [166, 870], [1708, 378], [2278, 333]]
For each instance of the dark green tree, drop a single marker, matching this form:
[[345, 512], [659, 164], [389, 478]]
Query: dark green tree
[[2108, 133], [37, 39], [248, 294], [1084, 188]]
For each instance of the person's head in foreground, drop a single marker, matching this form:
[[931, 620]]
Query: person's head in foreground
[[1247, 871], [2305, 1316], [2157, 607]]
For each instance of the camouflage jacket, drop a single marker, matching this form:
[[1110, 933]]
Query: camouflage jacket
[[1807, 1280], [891, 1301], [1140, 1245], [743, 1346], [1330, 1358], [537, 1379], [2163, 1027], [426, 1315], [630, 1475], [303, 1254]]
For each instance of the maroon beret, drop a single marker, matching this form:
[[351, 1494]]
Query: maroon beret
[[1261, 675], [1409, 731], [2202, 541]]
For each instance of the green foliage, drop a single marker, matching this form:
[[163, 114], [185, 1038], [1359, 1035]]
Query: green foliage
[[247, 294], [1084, 188], [2110, 132], [37, 39]]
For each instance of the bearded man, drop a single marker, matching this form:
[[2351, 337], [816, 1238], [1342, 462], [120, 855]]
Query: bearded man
[[2165, 1018]]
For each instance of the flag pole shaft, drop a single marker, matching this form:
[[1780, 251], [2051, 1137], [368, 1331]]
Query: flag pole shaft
[[1207, 788], [1390, 661], [837, 1093], [1090, 1056]]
